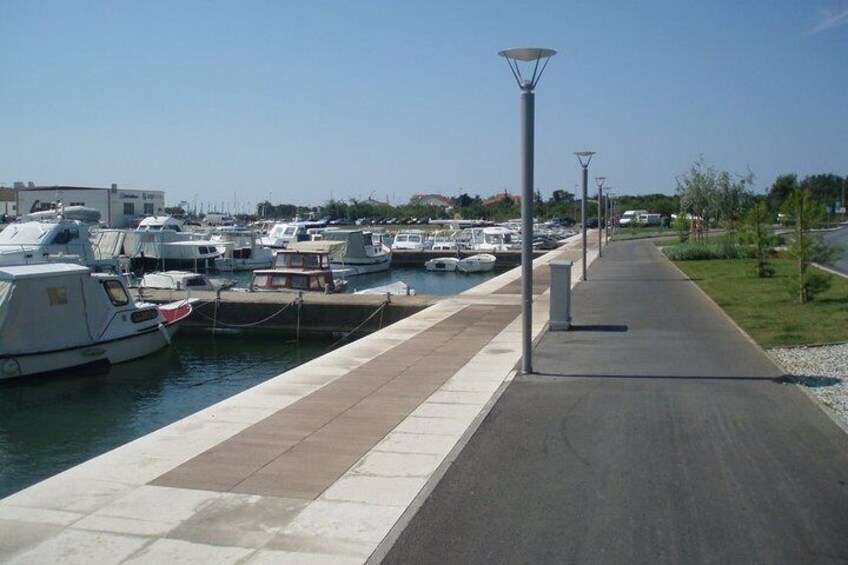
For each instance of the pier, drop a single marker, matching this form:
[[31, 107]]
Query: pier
[[308, 313]]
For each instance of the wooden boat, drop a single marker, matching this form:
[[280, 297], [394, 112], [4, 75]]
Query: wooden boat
[[302, 267], [61, 316]]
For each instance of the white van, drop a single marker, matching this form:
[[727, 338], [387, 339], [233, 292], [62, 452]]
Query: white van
[[631, 217]]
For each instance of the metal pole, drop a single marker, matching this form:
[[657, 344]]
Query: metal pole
[[583, 215], [527, 121], [600, 219]]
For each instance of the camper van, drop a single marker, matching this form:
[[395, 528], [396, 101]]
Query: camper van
[[631, 217]]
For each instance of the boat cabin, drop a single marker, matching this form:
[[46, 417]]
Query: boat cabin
[[303, 267]]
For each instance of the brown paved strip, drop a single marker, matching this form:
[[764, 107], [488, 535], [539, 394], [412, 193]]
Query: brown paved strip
[[301, 450], [541, 276]]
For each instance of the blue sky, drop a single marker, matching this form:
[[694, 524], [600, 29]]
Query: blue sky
[[229, 102]]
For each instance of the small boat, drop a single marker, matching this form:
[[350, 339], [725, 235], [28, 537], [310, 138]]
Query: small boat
[[160, 241], [59, 239], [442, 264], [302, 267], [61, 316], [283, 234], [181, 280], [365, 252], [241, 251], [480, 263], [410, 240]]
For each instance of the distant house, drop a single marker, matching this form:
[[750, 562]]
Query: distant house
[[500, 197], [430, 200]]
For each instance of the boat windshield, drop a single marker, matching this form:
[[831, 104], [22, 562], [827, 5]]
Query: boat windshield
[[24, 233], [5, 298], [116, 292]]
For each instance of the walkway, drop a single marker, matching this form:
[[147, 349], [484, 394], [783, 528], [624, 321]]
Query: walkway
[[655, 432], [313, 466]]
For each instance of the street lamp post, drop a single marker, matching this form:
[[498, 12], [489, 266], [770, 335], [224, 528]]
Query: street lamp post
[[601, 214], [585, 157], [533, 56], [608, 214]]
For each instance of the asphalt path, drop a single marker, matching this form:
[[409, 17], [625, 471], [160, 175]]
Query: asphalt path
[[839, 238], [652, 432]]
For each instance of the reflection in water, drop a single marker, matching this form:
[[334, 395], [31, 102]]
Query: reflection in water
[[50, 424]]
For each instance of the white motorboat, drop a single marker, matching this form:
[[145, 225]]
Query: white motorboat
[[488, 239], [480, 263], [282, 234], [181, 280], [241, 251], [160, 241], [365, 253], [61, 239], [442, 264], [60, 316], [411, 240], [444, 240]]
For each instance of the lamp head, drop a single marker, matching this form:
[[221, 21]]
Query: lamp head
[[584, 157], [533, 55]]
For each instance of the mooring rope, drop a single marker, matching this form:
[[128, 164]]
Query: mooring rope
[[215, 320], [379, 310]]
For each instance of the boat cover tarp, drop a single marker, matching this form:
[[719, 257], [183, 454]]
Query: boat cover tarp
[[331, 248], [59, 306]]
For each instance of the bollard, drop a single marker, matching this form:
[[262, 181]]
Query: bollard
[[560, 295]]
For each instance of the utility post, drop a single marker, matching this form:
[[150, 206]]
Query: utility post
[[533, 56], [600, 181], [584, 157]]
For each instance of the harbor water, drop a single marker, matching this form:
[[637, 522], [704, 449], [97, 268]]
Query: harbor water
[[48, 425]]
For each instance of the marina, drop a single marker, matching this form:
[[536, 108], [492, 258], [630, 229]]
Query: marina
[[49, 425]]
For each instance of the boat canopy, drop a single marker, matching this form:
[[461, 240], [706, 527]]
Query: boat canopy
[[40, 304], [331, 248]]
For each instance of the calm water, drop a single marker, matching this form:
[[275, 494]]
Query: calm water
[[51, 424], [48, 425]]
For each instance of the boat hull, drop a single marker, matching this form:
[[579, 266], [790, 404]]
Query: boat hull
[[480, 263], [350, 269], [111, 352], [442, 264]]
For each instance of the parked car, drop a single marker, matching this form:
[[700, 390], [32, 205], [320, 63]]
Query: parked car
[[565, 221]]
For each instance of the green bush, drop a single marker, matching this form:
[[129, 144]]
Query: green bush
[[699, 252]]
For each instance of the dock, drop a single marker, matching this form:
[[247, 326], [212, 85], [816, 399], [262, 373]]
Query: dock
[[309, 313]]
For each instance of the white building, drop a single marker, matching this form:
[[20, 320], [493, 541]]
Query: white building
[[119, 207]]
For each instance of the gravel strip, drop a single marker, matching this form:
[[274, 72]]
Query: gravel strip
[[822, 369]]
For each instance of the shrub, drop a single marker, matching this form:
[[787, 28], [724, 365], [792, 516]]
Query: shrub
[[700, 252]]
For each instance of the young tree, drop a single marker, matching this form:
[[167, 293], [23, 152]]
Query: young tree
[[698, 190], [758, 229], [682, 226], [806, 214]]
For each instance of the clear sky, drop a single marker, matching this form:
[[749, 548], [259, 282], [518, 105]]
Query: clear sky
[[228, 102]]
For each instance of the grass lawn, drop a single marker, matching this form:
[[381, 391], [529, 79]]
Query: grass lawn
[[764, 307], [641, 232]]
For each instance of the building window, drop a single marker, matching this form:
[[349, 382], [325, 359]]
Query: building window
[[129, 208], [148, 208]]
